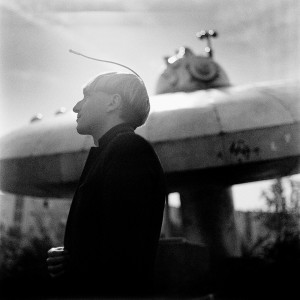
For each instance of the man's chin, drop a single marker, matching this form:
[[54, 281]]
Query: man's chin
[[80, 130]]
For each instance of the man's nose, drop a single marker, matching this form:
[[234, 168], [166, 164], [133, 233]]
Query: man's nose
[[76, 108]]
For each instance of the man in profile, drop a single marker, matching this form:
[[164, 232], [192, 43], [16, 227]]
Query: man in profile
[[114, 222]]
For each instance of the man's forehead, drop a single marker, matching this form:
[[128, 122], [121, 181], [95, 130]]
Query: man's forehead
[[93, 85], [88, 91], [85, 91]]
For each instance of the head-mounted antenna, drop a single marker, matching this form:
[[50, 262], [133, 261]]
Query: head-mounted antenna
[[106, 61]]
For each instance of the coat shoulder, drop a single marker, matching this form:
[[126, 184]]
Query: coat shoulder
[[130, 143]]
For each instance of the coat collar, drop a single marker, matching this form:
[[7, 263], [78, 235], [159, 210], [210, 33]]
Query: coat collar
[[110, 134], [102, 142]]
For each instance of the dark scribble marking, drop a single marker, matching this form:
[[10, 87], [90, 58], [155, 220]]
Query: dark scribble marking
[[242, 151]]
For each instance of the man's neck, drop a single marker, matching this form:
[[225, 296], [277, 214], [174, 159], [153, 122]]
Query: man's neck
[[98, 135]]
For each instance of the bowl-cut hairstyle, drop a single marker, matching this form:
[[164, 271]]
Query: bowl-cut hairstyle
[[135, 105]]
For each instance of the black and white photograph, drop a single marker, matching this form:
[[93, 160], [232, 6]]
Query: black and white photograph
[[150, 149]]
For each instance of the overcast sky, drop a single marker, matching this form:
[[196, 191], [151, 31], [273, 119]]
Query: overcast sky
[[258, 41]]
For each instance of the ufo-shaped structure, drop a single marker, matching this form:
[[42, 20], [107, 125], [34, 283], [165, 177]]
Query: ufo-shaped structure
[[233, 135]]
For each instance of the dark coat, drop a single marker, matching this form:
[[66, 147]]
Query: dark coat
[[115, 218]]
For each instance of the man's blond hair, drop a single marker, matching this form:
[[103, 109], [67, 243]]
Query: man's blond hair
[[135, 100]]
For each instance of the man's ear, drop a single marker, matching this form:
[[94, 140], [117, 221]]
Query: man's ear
[[114, 103]]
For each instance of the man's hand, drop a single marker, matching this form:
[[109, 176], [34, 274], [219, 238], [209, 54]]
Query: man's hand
[[57, 261]]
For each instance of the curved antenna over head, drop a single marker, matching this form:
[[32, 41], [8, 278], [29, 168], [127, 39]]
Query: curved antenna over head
[[106, 61]]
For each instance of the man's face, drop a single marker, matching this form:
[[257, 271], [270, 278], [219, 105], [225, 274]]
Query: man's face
[[91, 112]]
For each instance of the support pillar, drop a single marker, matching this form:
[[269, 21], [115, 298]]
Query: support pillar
[[208, 218]]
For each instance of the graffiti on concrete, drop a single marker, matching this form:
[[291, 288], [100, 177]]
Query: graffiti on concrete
[[241, 151]]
